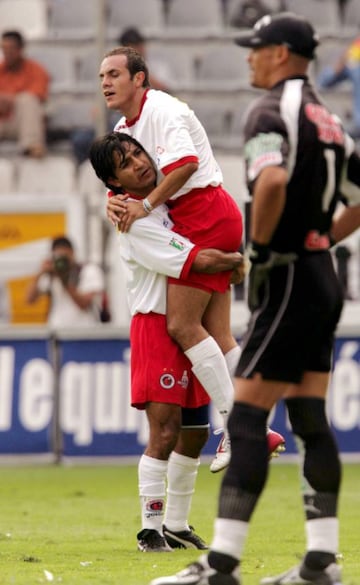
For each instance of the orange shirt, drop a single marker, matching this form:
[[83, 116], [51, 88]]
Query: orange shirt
[[31, 77]]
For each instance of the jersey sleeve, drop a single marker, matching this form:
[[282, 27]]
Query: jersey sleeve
[[266, 142], [156, 248]]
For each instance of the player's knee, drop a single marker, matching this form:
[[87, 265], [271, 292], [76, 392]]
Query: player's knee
[[192, 441], [163, 438], [322, 467], [181, 331], [307, 416]]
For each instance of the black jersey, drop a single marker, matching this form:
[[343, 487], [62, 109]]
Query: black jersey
[[290, 126]]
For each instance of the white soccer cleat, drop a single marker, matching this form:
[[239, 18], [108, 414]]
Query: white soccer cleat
[[302, 575], [199, 573], [223, 453]]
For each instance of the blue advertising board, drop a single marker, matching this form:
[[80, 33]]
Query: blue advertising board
[[89, 389]]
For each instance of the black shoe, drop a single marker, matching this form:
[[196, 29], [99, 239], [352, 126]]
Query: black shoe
[[152, 541], [184, 539]]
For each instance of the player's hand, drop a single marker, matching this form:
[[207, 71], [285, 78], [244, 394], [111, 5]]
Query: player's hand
[[115, 206], [131, 211], [263, 260], [238, 274]]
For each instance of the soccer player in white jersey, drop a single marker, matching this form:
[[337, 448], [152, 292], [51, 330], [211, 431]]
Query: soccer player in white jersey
[[198, 313], [161, 379]]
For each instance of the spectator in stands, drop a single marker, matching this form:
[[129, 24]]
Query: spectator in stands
[[247, 12], [346, 68], [160, 74], [24, 85], [75, 291]]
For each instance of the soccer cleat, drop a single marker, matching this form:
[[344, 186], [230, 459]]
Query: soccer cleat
[[223, 453], [276, 443], [302, 575], [184, 539], [198, 573], [152, 541]]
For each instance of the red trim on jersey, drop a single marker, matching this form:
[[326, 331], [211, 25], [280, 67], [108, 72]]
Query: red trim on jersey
[[179, 163], [134, 120], [189, 262]]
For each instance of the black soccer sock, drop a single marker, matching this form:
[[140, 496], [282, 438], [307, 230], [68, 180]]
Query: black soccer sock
[[246, 475], [322, 468]]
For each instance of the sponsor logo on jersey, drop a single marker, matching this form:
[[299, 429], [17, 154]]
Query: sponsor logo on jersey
[[328, 127], [262, 151], [184, 382], [167, 381], [177, 244], [316, 241]]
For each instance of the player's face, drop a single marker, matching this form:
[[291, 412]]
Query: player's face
[[118, 88], [262, 62], [135, 173]]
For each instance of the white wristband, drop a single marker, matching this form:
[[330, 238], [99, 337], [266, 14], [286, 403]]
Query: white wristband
[[147, 205]]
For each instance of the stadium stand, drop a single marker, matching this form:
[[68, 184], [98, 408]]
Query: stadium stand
[[51, 175], [208, 71], [148, 16], [69, 19], [27, 16], [189, 18]]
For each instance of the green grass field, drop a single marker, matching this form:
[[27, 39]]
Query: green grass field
[[77, 526]]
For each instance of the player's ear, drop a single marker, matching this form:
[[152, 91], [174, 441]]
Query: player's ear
[[115, 186], [139, 78]]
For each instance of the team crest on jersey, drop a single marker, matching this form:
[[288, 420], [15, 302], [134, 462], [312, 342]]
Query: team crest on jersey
[[167, 381], [262, 151], [328, 127], [178, 244]]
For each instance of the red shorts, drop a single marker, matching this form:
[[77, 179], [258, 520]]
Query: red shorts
[[160, 372], [210, 218]]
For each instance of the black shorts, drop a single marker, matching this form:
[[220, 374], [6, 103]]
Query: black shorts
[[293, 329], [195, 417]]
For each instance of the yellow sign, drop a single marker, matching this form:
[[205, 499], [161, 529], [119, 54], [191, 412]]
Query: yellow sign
[[19, 229]]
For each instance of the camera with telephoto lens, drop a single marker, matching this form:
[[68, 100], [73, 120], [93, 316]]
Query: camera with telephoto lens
[[61, 264]]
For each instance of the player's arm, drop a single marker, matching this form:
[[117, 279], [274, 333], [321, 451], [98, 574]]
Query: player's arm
[[347, 220], [171, 183], [344, 223], [211, 261], [157, 248], [269, 197]]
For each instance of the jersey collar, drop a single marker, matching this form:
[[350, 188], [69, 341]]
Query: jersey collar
[[134, 120]]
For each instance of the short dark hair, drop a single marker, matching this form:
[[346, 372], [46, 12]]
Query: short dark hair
[[14, 35], [131, 36], [101, 155], [61, 242], [135, 62]]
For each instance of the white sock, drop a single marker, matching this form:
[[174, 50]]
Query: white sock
[[229, 537], [232, 359], [323, 534], [210, 368], [152, 484], [182, 474]]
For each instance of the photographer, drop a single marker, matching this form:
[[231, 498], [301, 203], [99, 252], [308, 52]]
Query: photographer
[[75, 291]]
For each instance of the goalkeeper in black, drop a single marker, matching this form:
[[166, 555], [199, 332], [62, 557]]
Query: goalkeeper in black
[[301, 170]]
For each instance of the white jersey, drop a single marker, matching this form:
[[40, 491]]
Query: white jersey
[[170, 132], [150, 252], [63, 309]]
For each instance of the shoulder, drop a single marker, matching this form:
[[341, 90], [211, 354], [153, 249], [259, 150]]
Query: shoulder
[[161, 102], [35, 66]]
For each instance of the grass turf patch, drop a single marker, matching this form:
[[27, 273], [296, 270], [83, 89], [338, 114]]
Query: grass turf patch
[[78, 525]]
